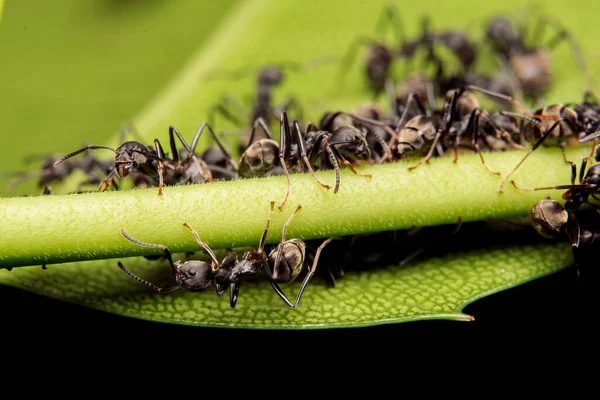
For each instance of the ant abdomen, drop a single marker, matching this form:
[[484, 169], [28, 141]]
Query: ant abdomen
[[259, 159], [287, 260]]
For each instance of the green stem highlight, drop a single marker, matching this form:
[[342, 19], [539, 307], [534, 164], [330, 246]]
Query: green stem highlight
[[63, 228]]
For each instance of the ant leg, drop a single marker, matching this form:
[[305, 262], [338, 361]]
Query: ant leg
[[224, 112], [196, 138], [263, 238], [474, 122], [505, 98], [290, 104], [559, 187], [444, 127], [161, 166], [390, 17], [412, 99], [572, 164], [535, 146], [334, 162], [307, 278], [562, 34], [349, 59], [152, 286], [274, 275], [348, 163], [260, 121], [300, 144], [165, 249], [173, 130], [107, 181], [207, 249], [372, 122]]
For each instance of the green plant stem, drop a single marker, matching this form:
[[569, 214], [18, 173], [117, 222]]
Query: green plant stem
[[62, 228]]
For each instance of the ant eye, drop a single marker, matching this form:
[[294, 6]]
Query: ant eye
[[192, 272]]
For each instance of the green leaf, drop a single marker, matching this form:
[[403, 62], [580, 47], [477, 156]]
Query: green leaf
[[436, 288], [260, 32]]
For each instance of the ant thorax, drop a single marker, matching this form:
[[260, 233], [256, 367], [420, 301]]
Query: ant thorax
[[588, 116], [351, 143]]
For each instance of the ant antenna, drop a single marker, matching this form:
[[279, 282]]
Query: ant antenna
[[62, 159]]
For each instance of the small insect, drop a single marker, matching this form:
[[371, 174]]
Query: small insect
[[282, 265]]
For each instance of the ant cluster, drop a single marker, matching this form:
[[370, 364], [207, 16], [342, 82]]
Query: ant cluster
[[427, 116]]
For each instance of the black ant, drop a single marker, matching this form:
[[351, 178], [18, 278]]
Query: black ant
[[268, 78], [282, 265], [531, 64], [555, 124], [380, 56], [49, 174], [577, 194], [447, 129], [187, 168], [299, 153], [146, 164], [368, 118], [130, 157]]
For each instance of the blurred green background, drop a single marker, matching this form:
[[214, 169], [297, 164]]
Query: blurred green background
[[71, 72]]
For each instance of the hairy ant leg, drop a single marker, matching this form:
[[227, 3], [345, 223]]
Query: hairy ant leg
[[472, 128]]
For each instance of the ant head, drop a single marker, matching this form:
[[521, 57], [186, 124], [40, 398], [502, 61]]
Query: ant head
[[259, 159], [502, 34], [194, 276], [129, 156], [549, 218], [589, 117], [270, 76], [351, 142], [291, 259]]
